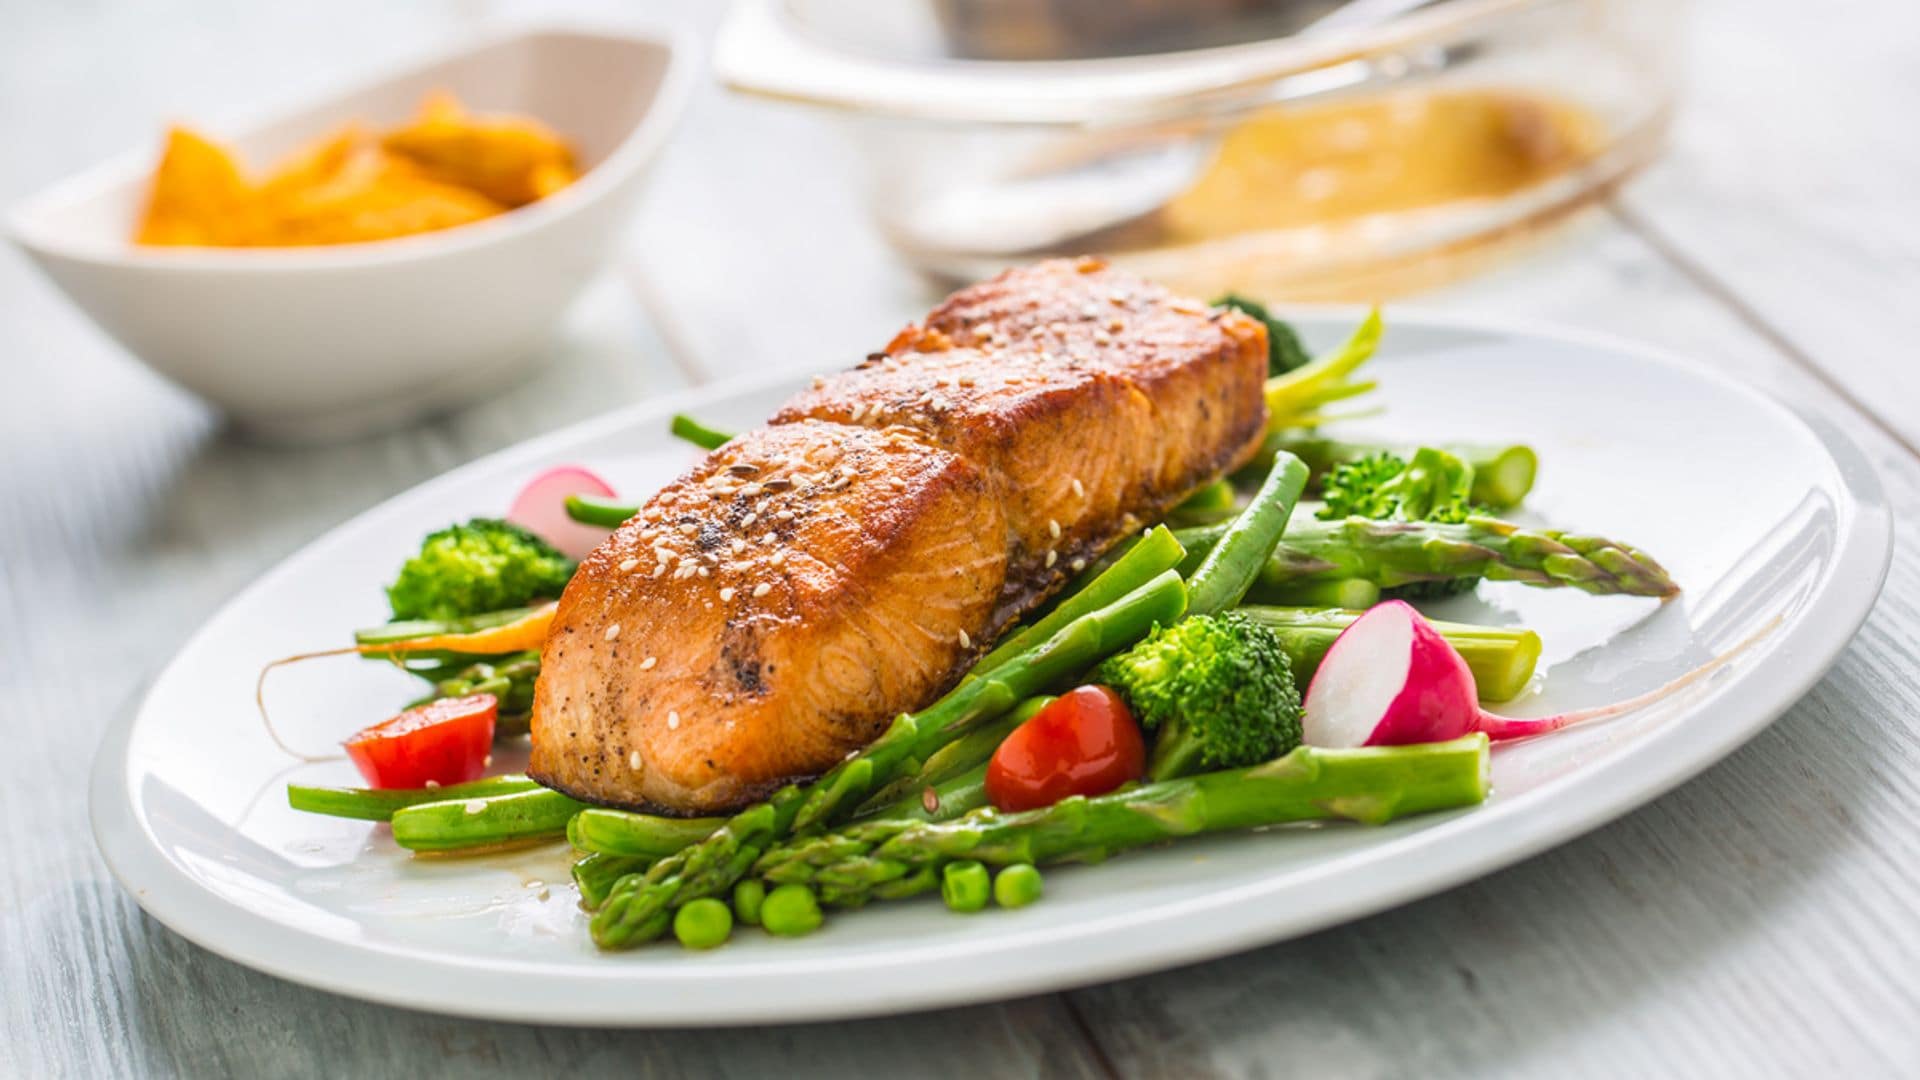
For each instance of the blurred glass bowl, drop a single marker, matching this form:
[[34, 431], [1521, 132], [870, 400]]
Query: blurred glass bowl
[[1224, 144]]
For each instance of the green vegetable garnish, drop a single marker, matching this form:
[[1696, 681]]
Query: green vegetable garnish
[[748, 897], [1216, 692], [703, 924], [883, 860], [791, 911], [1433, 485], [964, 886], [1284, 351], [483, 565], [1017, 885]]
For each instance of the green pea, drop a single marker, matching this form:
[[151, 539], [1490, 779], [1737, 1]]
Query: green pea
[[964, 885], [705, 923], [1017, 886], [748, 896], [790, 910]]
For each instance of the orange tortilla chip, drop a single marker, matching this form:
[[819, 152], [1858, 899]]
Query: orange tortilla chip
[[197, 190], [446, 168], [373, 197], [512, 160]]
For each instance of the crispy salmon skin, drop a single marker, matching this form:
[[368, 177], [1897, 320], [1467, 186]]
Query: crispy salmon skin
[[768, 613]]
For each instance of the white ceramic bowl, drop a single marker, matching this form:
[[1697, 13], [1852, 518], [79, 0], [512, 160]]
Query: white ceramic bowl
[[327, 342]]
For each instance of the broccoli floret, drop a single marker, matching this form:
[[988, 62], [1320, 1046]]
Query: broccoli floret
[[1217, 692], [1284, 351], [483, 565], [1433, 486]]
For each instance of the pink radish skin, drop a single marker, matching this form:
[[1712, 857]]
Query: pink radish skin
[[541, 509], [1390, 679]]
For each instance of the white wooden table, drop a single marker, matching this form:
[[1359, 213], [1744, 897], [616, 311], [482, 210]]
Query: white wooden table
[[1760, 920]]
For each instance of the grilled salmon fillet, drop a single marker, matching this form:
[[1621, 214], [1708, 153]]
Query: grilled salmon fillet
[[770, 611]]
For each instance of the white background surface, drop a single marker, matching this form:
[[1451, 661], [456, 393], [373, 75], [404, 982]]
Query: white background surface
[[1759, 920]]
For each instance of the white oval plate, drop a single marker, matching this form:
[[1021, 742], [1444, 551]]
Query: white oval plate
[[1758, 513]]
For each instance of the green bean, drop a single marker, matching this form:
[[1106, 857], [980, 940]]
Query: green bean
[[481, 822], [1151, 554], [1233, 565], [379, 804], [623, 832]]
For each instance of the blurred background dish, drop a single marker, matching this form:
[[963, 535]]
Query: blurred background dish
[[1280, 147], [327, 342]]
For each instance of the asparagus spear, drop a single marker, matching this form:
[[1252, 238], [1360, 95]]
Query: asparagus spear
[[485, 821], [1502, 475], [640, 905], [1373, 785], [957, 757], [1502, 658], [1230, 566], [1350, 593], [1152, 553], [1393, 553], [595, 873], [645, 838]]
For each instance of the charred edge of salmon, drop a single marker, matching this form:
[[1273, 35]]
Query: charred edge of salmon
[[750, 794]]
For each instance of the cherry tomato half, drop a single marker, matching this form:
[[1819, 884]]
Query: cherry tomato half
[[444, 741], [1084, 742]]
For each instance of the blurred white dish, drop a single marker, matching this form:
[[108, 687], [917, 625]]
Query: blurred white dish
[[1772, 517], [327, 342]]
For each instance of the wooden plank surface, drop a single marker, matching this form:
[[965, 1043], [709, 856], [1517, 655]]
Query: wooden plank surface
[[1757, 921]]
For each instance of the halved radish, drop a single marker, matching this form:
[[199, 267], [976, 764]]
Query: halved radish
[[1390, 679], [541, 509]]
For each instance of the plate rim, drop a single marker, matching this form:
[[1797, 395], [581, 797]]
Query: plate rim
[[1014, 963]]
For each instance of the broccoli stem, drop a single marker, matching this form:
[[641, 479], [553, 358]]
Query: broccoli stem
[[1502, 475], [593, 510], [1372, 785], [1151, 554], [485, 821], [640, 906], [1230, 567], [380, 804], [700, 435], [1394, 553], [1502, 658]]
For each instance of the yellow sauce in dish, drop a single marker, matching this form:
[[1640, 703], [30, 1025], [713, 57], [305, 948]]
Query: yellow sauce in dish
[[1288, 168]]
